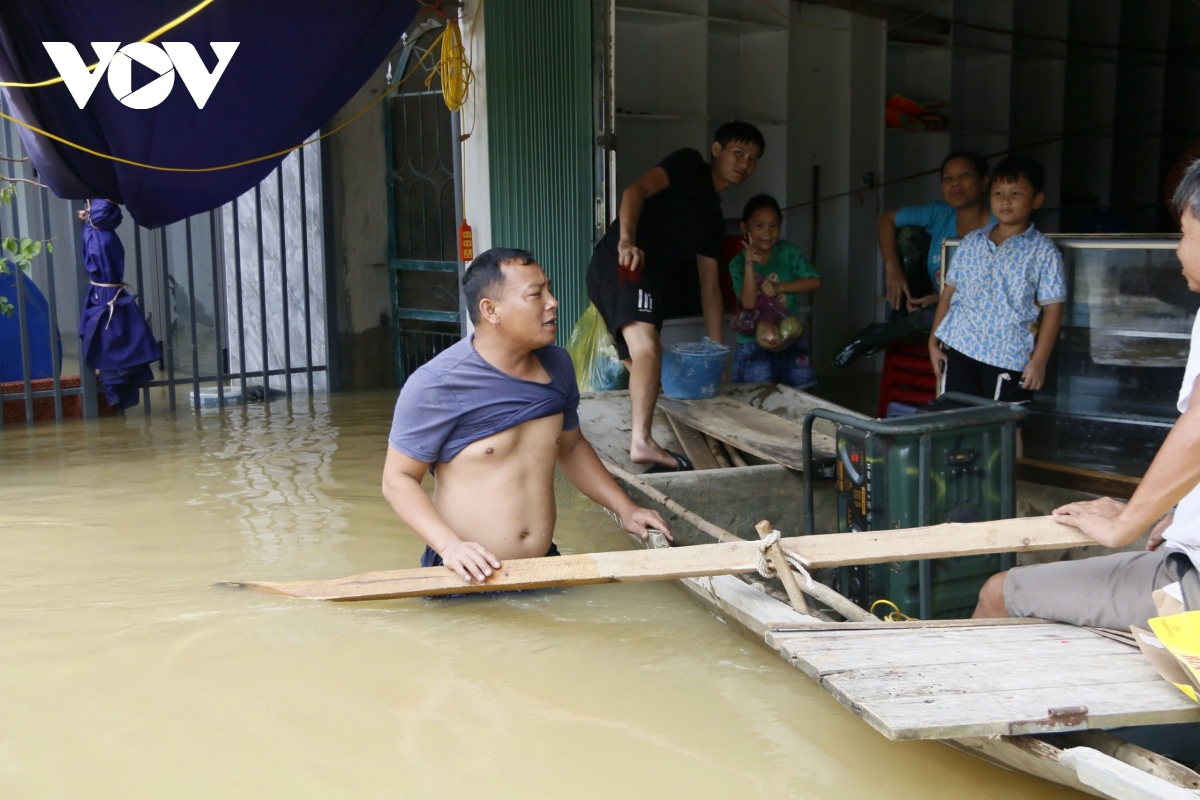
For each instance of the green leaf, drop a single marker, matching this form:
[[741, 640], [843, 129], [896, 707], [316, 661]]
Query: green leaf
[[26, 243], [49, 247], [10, 244]]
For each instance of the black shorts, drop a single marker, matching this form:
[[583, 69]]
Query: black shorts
[[431, 557], [968, 376], [622, 298]]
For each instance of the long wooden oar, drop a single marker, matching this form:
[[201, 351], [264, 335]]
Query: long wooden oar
[[727, 558], [532, 573]]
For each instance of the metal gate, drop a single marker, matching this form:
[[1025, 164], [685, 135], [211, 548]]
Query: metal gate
[[424, 211], [236, 297]]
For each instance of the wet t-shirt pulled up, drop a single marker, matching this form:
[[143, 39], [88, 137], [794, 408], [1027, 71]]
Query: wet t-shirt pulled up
[[459, 398]]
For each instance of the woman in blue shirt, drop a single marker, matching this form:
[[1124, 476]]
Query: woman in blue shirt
[[964, 209]]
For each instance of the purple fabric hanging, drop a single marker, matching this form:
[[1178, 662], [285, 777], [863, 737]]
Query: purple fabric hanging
[[116, 339], [297, 62]]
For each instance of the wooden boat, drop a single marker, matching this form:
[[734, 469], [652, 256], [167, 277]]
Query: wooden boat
[[1037, 697]]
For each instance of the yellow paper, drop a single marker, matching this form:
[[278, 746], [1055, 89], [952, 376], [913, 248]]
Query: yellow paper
[[1180, 635]]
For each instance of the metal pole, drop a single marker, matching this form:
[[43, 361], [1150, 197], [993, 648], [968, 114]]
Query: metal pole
[[262, 293], [237, 282], [217, 312], [329, 230], [191, 279], [924, 512], [457, 167], [166, 273], [87, 375], [806, 442], [52, 298], [283, 283], [23, 327], [1008, 479], [141, 303], [19, 281], [304, 267]]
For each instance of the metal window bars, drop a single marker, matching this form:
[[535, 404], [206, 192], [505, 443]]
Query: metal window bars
[[227, 315]]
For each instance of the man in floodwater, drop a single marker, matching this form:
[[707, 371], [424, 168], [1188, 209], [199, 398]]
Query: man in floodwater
[[493, 414], [1114, 591]]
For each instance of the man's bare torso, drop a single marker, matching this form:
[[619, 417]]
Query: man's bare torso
[[499, 491]]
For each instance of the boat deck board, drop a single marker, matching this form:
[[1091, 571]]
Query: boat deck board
[[748, 428], [943, 683]]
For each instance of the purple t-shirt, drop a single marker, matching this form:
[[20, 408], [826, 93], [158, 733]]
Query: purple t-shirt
[[458, 398]]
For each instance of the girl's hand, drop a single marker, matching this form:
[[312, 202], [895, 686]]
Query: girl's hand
[[751, 256], [770, 287]]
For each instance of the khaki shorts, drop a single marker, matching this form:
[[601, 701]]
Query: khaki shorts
[[1105, 592]]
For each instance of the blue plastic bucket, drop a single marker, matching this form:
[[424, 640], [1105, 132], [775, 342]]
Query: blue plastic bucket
[[692, 370]]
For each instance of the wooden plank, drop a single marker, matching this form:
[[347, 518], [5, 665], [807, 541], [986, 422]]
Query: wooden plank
[[799, 403], [747, 428], [732, 598], [1118, 779], [1025, 754], [884, 625], [1030, 672], [846, 651], [1136, 756], [1014, 712], [782, 568], [718, 452], [530, 573], [693, 445], [936, 541], [1077, 479], [810, 587]]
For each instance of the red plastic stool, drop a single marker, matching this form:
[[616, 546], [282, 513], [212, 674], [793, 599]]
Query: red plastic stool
[[907, 376]]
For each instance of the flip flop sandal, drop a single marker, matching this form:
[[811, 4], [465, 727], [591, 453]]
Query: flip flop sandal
[[682, 464]]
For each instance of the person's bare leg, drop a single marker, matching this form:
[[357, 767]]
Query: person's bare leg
[[645, 371], [991, 599]]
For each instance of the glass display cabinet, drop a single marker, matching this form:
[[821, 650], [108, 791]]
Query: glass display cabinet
[[1113, 381]]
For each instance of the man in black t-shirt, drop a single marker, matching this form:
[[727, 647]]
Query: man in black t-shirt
[[670, 219]]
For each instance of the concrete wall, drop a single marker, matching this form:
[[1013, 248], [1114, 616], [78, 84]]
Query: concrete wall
[[836, 102], [359, 263]]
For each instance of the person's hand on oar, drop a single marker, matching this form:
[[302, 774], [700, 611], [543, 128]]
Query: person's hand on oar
[[470, 560], [640, 521]]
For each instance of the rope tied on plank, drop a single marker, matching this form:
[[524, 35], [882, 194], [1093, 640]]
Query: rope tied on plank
[[764, 563]]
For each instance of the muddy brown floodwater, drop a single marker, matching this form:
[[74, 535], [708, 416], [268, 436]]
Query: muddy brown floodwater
[[124, 673]]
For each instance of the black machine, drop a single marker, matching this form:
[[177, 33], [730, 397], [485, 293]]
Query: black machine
[[954, 461]]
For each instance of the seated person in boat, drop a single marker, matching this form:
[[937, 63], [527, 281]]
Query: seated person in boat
[[493, 414], [1114, 591]]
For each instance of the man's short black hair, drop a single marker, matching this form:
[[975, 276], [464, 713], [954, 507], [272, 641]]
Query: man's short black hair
[[739, 131], [1013, 168], [1187, 193], [484, 278]]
